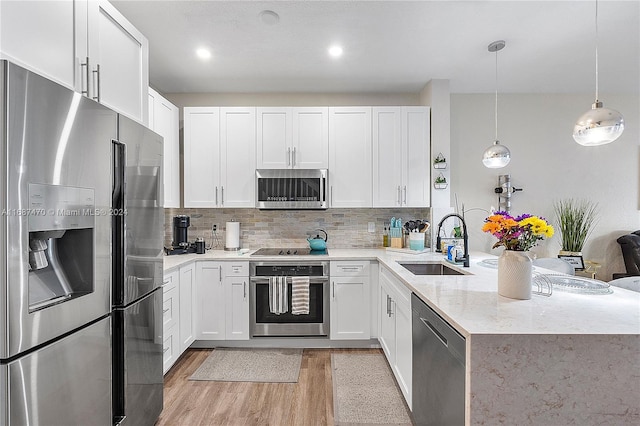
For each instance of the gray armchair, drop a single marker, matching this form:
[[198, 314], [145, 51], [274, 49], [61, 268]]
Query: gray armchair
[[630, 246]]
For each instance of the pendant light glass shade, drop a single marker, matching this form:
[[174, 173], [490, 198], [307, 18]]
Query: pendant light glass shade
[[496, 156], [599, 125]]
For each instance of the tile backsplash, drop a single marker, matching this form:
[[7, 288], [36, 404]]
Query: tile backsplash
[[347, 228]]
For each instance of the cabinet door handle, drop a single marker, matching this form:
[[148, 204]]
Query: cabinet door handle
[[166, 349], [96, 83], [388, 306], [220, 272], [399, 201], [333, 288], [405, 195], [244, 287], [164, 311], [216, 195], [293, 161], [222, 199], [86, 76], [288, 156], [391, 306]]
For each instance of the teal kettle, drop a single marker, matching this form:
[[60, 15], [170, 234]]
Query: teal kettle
[[318, 243]]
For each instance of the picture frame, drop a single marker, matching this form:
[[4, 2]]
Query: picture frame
[[576, 261]]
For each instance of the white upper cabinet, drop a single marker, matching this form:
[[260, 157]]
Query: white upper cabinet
[[292, 138], [274, 138], [164, 120], [86, 45], [201, 156], [416, 151], [401, 156], [387, 156], [237, 157], [39, 35], [219, 157], [350, 171], [118, 59]]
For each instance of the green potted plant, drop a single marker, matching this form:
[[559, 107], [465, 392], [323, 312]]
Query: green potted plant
[[440, 182], [576, 219]]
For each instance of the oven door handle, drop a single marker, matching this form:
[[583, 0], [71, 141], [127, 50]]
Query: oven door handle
[[312, 280]]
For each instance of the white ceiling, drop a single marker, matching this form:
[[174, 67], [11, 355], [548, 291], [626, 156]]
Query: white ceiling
[[389, 46]]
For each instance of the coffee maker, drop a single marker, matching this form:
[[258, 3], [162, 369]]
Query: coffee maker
[[180, 243]]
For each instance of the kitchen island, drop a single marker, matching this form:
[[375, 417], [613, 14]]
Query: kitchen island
[[559, 360]]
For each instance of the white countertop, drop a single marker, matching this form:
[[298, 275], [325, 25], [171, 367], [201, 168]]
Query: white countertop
[[471, 302]]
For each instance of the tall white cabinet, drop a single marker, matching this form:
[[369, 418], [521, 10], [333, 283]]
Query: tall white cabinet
[[164, 120], [219, 154], [292, 138], [86, 45], [350, 169], [401, 156]]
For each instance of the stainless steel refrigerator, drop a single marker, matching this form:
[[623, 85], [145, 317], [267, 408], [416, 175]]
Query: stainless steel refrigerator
[[138, 242], [57, 260]]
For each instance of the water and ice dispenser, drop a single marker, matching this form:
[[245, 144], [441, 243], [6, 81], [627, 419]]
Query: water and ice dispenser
[[61, 224]]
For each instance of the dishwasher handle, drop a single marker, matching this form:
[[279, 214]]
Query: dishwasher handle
[[435, 331]]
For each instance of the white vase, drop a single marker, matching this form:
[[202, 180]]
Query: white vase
[[514, 274]]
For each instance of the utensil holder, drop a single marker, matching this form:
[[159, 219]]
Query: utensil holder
[[416, 241]]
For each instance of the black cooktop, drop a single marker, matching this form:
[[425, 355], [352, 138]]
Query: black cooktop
[[290, 252]]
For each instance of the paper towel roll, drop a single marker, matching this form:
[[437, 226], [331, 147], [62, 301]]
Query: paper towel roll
[[232, 236]]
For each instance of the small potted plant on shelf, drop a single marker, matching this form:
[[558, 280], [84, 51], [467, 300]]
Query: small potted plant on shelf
[[440, 162], [441, 182], [576, 219]]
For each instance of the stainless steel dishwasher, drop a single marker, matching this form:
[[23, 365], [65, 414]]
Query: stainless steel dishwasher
[[438, 368]]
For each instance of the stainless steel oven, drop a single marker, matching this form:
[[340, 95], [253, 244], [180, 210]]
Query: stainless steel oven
[[265, 323]]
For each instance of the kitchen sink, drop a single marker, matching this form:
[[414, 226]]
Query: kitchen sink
[[417, 268]]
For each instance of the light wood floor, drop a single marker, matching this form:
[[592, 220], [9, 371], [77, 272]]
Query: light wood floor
[[308, 402]]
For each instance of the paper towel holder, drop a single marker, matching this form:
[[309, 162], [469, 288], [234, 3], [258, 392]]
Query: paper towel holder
[[232, 236]]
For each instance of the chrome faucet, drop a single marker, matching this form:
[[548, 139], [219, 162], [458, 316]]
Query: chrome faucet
[[465, 236]]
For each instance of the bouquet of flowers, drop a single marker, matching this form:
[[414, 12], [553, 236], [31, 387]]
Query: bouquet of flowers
[[520, 233]]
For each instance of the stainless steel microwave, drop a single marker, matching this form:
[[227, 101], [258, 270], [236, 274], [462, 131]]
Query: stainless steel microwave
[[291, 189]]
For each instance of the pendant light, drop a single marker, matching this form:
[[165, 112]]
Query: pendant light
[[496, 156], [599, 125]]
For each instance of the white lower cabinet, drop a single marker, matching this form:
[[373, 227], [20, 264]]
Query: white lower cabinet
[[170, 318], [222, 294], [395, 329], [350, 300], [187, 295]]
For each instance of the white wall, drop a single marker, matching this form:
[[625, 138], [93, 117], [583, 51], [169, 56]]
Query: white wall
[[548, 165]]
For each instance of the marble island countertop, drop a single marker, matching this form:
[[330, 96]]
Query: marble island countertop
[[471, 303]]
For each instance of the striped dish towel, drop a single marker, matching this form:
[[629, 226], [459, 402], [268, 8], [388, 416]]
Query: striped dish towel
[[300, 295], [278, 295]]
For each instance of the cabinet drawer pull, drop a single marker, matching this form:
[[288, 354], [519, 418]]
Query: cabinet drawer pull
[[166, 282], [350, 268], [164, 311], [164, 351]]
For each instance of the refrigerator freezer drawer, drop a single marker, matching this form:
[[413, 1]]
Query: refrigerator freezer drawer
[[65, 383]]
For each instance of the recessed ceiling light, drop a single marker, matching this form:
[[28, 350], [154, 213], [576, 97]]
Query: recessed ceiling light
[[269, 17], [203, 53], [335, 51]]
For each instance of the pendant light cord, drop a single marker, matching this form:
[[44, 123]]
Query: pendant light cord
[[596, 51], [496, 108]]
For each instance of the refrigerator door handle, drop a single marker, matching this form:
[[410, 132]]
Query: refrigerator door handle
[[118, 225]]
